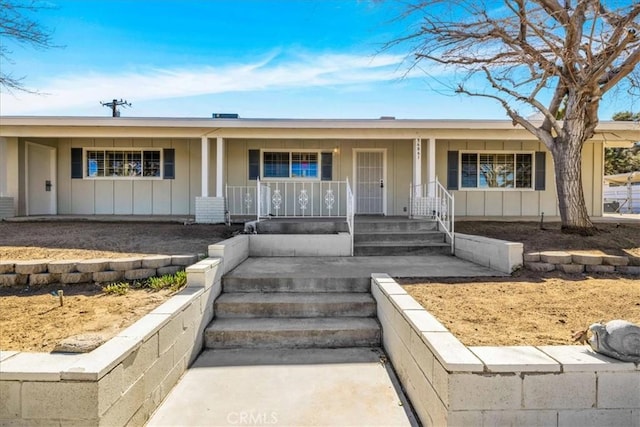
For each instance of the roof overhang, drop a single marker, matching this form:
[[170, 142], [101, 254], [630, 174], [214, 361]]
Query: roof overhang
[[612, 133]]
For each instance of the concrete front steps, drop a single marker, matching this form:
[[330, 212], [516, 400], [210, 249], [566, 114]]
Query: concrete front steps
[[397, 237], [293, 312]]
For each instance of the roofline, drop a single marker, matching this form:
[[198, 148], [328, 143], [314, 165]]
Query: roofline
[[281, 123]]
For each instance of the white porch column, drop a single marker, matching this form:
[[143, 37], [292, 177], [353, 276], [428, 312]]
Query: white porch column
[[431, 170], [204, 192], [219, 167], [8, 177], [417, 165]]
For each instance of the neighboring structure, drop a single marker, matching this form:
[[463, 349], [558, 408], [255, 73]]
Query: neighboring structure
[[204, 167], [622, 193]]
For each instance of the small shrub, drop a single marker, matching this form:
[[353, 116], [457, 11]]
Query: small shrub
[[173, 282], [120, 288]]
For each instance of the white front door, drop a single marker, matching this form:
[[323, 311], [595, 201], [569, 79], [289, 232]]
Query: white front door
[[369, 175], [41, 171]]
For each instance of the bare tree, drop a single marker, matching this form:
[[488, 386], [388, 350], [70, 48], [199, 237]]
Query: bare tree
[[18, 27], [555, 57]]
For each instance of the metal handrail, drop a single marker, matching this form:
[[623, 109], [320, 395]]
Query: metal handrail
[[434, 201], [350, 212]]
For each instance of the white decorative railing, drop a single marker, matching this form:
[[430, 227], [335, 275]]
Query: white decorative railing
[[434, 201], [291, 199], [241, 200], [351, 210]]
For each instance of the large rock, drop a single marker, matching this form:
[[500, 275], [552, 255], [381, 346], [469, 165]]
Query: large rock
[[618, 339], [82, 343]]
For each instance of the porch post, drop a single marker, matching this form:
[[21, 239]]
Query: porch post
[[219, 167], [3, 166], [431, 170], [204, 192], [417, 166], [9, 172]]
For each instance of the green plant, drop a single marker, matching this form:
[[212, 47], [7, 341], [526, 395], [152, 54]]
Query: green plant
[[120, 288], [173, 282]]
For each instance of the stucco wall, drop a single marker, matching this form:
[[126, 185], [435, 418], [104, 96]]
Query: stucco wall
[[525, 202]]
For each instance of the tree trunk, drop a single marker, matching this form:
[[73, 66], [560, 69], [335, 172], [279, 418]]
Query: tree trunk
[[567, 157]]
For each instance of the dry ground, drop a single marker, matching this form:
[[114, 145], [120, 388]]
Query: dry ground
[[31, 319], [535, 308], [528, 308]]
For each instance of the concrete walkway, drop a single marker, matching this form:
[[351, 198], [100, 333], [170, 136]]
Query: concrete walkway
[[303, 387], [360, 267], [306, 387]]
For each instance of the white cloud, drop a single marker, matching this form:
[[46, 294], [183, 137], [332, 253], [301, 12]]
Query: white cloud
[[77, 91]]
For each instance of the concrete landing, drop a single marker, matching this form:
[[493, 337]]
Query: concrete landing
[[307, 387], [359, 267]]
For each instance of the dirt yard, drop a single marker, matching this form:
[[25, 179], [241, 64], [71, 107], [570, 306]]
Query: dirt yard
[[528, 308], [31, 319]]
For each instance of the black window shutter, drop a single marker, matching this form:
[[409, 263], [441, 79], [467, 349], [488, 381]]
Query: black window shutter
[[169, 159], [452, 170], [541, 162], [76, 163], [326, 173], [254, 164]]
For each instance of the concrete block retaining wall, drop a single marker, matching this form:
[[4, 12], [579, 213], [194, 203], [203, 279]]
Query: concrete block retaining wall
[[499, 255], [289, 245], [45, 272], [450, 384], [124, 380], [580, 262]]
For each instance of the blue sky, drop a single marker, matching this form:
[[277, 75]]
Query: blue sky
[[257, 58]]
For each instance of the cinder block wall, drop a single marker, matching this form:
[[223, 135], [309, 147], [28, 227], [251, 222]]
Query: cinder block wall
[[451, 384], [123, 381]]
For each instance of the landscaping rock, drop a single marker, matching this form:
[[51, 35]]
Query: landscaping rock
[[586, 259], [43, 279], [615, 260], [31, 267], [532, 257], [69, 278], [61, 267], [628, 269], [170, 269], [108, 276], [92, 265], [556, 257], [7, 267], [13, 279], [600, 268], [156, 261], [184, 260], [124, 264], [82, 343], [140, 273], [571, 268], [540, 266]]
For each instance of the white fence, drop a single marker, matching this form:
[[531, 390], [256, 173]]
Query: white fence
[[622, 199]]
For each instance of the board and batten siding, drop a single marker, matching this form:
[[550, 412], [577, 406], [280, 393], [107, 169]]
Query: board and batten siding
[[130, 196], [398, 154], [499, 203]]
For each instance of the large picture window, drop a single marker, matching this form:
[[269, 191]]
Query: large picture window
[[109, 163], [496, 170], [290, 164]]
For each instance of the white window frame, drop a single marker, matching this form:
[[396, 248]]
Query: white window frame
[[290, 151], [512, 152], [86, 150]]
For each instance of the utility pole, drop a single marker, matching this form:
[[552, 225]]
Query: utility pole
[[114, 106]]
